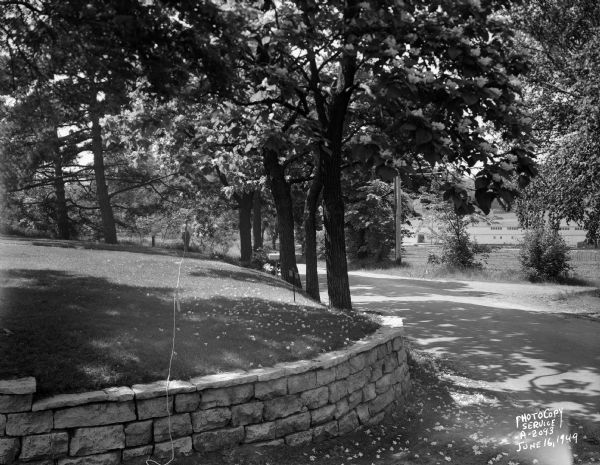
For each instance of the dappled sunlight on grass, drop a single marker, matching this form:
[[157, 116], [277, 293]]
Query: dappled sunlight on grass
[[106, 319]]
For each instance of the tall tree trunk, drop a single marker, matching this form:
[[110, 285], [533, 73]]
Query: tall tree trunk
[[310, 234], [106, 212], [62, 218], [257, 232], [245, 225], [338, 285], [282, 196]]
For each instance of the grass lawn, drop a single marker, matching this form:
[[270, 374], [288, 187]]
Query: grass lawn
[[80, 319]]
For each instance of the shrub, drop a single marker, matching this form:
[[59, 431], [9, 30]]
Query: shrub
[[544, 255], [458, 250]]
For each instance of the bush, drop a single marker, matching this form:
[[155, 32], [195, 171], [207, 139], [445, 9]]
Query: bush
[[458, 250], [544, 255]]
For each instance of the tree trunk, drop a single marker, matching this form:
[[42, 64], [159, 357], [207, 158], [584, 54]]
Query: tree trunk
[[338, 285], [310, 235], [245, 226], [62, 218], [257, 232], [282, 196], [106, 212]]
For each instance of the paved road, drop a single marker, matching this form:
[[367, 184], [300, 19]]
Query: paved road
[[493, 338]]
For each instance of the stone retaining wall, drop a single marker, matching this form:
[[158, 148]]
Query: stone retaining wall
[[292, 403]]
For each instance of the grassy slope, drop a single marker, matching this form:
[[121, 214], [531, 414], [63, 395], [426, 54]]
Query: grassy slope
[[85, 319]]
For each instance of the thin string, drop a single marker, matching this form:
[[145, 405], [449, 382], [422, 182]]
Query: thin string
[[176, 308]]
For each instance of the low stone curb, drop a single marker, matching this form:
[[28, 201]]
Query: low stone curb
[[291, 403]]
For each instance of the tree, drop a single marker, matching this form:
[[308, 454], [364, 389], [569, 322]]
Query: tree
[[442, 80], [562, 39], [92, 56], [370, 221]]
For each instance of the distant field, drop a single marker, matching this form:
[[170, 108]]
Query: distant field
[[503, 263], [80, 319]]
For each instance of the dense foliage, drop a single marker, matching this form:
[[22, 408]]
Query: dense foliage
[[544, 255], [298, 114]]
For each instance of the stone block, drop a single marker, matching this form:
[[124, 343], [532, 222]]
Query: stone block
[[224, 397], [218, 380], [315, 398], [377, 370], [19, 386], [265, 390], [15, 403], [325, 377], [363, 414], [94, 415], [159, 389], [358, 380], [389, 363], [187, 402], [322, 415], [342, 370], [369, 392], [24, 424], [267, 374], [119, 394], [181, 446], [371, 357], [402, 356], [273, 443], [281, 407], [397, 343], [296, 368], [358, 362], [181, 425], [69, 400], [298, 439], [341, 408], [397, 375], [355, 398], [138, 433], [293, 424], [246, 414], [348, 422], [219, 439], [261, 432], [111, 458], [44, 446], [2, 424], [9, 449], [326, 431], [381, 402], [383, 384], [376, 419], [382, 351], [154, 408], [213, 418], [337, 390], [136, 453], [87, 441], [303, 382], [332, 359]]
